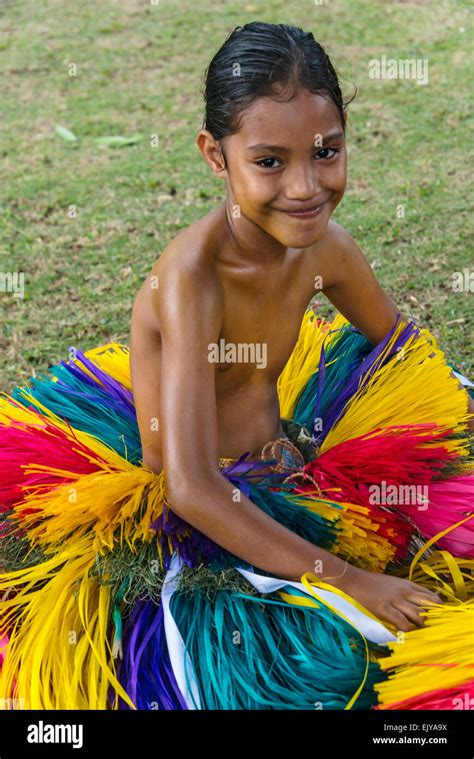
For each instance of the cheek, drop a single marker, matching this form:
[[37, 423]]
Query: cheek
[[339, 175], [256, 189]]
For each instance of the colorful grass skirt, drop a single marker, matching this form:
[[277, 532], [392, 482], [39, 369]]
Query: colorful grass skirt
[[109, 600]]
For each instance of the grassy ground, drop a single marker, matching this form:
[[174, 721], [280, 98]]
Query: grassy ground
[[85, 221]]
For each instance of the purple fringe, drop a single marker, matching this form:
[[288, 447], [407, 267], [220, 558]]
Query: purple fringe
[[112, 386], [145, 671]]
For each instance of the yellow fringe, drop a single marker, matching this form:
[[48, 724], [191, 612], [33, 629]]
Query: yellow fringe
[[358, 538], [440, 654], [413, 389], [433, 657], [58, 656], [111, 507], [119, 496], [451, 577], [304, 359], [112, 358]]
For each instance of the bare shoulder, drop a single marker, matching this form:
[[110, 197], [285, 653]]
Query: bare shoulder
[[335, 250], [183, 274], [336, 241]]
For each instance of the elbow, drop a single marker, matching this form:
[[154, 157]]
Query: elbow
[[177, 496], [184, 492]]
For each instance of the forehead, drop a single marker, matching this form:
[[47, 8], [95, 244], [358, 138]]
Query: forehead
[[271, 119]]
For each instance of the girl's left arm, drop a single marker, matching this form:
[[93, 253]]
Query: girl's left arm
[[351, 285]]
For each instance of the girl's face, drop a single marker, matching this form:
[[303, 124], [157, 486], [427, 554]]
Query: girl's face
[[287, 156]]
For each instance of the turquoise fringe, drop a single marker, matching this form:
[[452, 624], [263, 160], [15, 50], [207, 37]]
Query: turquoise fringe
[[253, 652]]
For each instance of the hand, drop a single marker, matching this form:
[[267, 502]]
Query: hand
[[391, 599]]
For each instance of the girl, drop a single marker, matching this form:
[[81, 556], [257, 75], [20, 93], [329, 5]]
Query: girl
[[240, 525], [244, 274]]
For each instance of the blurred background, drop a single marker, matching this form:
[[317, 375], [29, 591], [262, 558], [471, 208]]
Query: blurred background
[[100, 104]]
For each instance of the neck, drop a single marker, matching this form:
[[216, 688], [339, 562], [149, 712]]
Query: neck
[[250, 242]]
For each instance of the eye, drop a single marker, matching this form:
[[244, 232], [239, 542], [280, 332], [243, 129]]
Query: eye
[[334, 151], [262, 163]]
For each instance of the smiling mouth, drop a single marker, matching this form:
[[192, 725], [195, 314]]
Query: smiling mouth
[[309, 213]]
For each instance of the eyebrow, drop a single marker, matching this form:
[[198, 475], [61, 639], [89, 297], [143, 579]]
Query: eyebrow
[[282, 149]]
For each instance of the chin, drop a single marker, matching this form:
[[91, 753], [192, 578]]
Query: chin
[[304, 239]]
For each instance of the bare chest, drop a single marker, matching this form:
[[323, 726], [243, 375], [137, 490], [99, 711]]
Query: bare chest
[[261, 323]]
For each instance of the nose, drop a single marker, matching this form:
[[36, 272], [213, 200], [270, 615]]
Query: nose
[[303, 182]]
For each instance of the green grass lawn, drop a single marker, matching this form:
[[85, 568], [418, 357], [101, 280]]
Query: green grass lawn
[[84, 221]]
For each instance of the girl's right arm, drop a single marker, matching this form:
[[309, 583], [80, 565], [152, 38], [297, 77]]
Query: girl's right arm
[[189, 306]]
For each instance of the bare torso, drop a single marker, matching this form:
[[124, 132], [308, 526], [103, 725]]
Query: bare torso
[[263, 305]]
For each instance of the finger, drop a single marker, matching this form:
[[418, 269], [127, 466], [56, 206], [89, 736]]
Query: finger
[[421, 591], [411, 612], [398, 619], [423, 599]]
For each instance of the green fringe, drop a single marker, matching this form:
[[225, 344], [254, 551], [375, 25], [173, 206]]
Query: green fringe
[[209, 583], [141, 568], [16, 551]]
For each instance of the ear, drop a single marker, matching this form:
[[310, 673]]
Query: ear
[[211, 151], [345, 115]]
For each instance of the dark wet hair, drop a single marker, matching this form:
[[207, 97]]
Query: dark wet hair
[[261, 59]]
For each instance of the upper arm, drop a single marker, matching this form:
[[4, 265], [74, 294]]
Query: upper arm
[[354, 289], [145, 361], [189, 305]]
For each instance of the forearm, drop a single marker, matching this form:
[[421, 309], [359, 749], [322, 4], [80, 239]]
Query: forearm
[[223, 513]]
